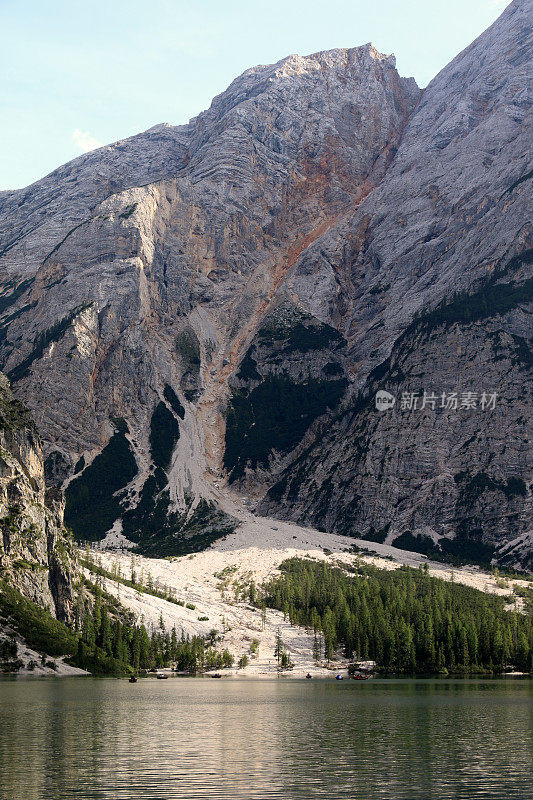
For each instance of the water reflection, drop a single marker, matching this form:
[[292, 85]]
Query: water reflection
[[395, 740]]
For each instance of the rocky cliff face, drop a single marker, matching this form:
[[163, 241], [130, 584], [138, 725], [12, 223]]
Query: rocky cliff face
[[447, 237], [195, 305], [135, 277], [36, 556]]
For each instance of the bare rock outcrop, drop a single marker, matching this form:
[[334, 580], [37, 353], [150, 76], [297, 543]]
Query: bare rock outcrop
[[36, 555]]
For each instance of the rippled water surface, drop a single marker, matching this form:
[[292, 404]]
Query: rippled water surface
[[197, 738]]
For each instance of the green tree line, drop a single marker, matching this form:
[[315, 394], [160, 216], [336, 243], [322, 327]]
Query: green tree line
[[404, 619], [111, 644], [105, 639]]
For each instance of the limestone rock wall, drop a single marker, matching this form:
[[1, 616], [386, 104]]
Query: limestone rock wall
[[36, 555]]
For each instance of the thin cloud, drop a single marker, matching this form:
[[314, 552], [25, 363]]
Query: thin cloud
[[84, 141]]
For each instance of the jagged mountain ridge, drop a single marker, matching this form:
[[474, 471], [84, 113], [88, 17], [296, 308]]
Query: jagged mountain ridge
[[278, 245]]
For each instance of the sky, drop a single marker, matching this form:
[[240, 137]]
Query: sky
[[75, 75]]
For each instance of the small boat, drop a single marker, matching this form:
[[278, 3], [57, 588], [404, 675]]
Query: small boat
[[339, 677], [361, 677], [161, 676], [132, 679], [216, 675], [308, 676]]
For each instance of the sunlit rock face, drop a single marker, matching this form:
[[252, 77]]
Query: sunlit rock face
[[36, 555], [159, 294]]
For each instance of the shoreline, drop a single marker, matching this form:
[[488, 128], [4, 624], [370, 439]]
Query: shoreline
[[241, 676]]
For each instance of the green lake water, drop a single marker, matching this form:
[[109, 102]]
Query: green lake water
[[84, 738]]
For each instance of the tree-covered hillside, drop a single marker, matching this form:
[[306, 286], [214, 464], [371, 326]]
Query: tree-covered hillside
[[403, 619]]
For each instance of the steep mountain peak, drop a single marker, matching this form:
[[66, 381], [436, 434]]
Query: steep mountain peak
[[329, 90], [194, 302], [341, 58], [188, 234], [295, 65]]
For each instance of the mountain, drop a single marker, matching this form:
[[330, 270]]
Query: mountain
[[435, 270], [208, 310]]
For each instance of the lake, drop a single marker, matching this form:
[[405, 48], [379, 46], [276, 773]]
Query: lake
[[190, 738]]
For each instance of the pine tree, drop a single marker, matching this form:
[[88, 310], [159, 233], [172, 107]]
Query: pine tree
[[316, 648], [278, 650], [406, 620]]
